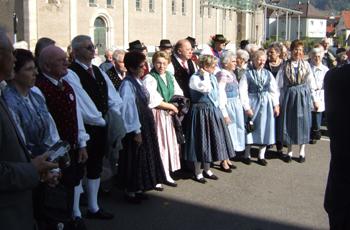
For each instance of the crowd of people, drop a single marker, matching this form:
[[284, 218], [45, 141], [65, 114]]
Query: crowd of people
[[149, 117]]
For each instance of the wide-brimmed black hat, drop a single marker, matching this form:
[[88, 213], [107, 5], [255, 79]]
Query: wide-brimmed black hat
[[136, 45], [165, 43], [192, 41], [220, 38]]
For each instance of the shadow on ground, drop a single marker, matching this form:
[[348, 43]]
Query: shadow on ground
[[161, 213]]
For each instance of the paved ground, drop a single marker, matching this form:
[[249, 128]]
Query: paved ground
[[278, 196]]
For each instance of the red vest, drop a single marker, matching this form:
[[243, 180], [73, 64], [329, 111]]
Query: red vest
[[61, 103]]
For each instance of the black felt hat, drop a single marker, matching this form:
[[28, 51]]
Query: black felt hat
[[136, 45], [165, 43]]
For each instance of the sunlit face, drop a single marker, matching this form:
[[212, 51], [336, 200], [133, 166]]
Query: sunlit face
[[109, 56], [317, 59], [231, 64], [273, 55], [161, 65], [259, 62], [185, 51], [240, 62], [218, 46], [58, 66], [26, 76], [140, 70], [119, 64], [298, 53], [210, 69]]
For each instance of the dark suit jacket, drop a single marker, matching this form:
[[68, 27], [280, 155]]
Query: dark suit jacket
[[337, 97], [182, 76], [17, 177]]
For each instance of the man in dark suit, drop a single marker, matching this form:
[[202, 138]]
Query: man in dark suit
[[19, 174], [184, 67], [337, 198]]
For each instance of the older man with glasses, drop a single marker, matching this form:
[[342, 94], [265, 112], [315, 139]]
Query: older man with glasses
[[96, 96]]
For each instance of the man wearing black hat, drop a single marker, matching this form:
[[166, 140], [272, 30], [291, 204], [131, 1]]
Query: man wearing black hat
[[165, 45], [217, 46]]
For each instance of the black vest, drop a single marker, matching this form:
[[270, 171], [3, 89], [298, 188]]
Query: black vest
[[181, 75], [96, 87]]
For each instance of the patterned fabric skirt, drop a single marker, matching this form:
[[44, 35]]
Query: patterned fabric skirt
[[236, 128], [264, 121], [207, 136], [140, 166], [168, 146], [294, 122]]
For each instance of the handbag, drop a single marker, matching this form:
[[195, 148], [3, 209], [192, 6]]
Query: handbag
[[249, 125]]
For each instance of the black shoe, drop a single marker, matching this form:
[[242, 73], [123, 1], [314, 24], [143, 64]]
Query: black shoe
[[301, 159], [78, 224], [262, 162], [313, 141], [159, 189], [141, 195], [232, 166], [171, 184], [222, 168], [201, 180], [287, 159], [247, 160], [132, 199], [212, 177], [100, 214]]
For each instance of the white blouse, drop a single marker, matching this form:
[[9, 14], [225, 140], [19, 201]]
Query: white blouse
[[223, 77], [129, 110], [151, 85], [244, 94], [90, 113], [310, 80], [196, 83]]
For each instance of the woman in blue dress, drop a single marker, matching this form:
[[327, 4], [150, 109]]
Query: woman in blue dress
[[259, 95], [297, 87], [230, 104], [207, 137]]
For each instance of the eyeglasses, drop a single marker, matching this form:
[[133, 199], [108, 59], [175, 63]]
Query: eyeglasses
[[90, 47]]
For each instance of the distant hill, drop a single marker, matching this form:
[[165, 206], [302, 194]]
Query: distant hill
[[336, 5]]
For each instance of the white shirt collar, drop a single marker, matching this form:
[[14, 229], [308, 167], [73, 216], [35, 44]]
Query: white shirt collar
[[82, 64], [52, 80]]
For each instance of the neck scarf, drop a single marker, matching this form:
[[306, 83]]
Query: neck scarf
[[295, 76], [166, 90]]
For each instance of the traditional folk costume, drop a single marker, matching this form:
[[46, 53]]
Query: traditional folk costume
[[33, 120], [297, 86], [183, 71], [96, 95], [140, 166], [231, 106], [208, 139], [258, 91], [115, 76], [163, 88], [319, 72], [62, 103]]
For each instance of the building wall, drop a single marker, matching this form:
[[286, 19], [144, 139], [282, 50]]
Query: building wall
[[64, 19], [316, 28]]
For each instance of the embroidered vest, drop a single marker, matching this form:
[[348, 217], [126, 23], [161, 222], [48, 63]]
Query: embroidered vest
[[62, 106]]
